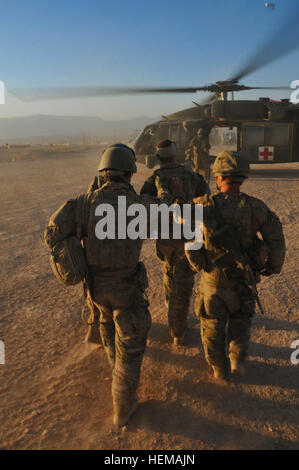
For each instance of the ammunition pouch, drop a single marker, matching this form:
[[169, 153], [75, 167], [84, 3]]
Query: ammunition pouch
[[231, 257], [227, 264]]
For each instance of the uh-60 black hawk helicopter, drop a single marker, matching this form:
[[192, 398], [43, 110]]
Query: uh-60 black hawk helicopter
[[267, 131]]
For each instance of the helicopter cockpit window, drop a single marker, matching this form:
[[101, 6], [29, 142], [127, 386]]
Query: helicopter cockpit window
[[279, 134], [253, 135], [133, 141]]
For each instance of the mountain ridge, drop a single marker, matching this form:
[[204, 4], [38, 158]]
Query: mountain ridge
[[49, 125]]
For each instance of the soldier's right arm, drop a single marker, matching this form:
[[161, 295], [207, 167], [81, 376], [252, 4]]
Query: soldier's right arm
[[270, 227], [62, 223]]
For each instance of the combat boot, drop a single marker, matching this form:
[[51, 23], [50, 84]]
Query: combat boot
[[237, 367], [93, 335], [219, 373], [122, 411], [178, 340]]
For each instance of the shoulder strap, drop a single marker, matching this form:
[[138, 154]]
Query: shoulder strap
[[219, 217], [82, 213]]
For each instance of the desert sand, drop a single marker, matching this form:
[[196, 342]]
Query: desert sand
[[55, 391]]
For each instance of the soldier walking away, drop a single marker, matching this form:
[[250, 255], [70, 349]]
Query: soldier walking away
[[201, 147], [188, 162], [117, 280], [243, 239], [178, 277]]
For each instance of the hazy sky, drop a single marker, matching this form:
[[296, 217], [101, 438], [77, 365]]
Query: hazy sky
[[134, 42]]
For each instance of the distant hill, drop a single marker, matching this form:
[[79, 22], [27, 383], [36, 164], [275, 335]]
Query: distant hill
[[51, 126]]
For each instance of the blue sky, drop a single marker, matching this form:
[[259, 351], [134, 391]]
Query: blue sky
[[127, 43]]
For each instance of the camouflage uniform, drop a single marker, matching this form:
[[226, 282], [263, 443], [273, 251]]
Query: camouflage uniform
[[117, 282], [201, 147], [118, 293], [178, 278], [225, 302], [189, 158], [95, 184]]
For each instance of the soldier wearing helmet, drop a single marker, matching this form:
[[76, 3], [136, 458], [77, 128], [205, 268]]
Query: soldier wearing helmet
[[200, 147], [114, 156], [117, 280], [178, 278], [243, 239]]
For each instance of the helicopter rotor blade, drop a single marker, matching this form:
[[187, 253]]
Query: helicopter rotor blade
[[39, 94], [279, 44], [57, 93], [268, 88], [282, 42]]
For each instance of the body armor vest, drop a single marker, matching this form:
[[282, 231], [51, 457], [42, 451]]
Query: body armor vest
[[110, 257], [181, 172], [236, 211]]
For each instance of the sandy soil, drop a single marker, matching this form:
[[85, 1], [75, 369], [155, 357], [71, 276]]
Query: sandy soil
[[55, 390]]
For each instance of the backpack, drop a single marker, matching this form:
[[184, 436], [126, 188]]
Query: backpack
[[68, 259]]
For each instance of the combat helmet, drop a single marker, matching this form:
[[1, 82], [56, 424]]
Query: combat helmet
[[166, 149], [118, 157], [231, 164]]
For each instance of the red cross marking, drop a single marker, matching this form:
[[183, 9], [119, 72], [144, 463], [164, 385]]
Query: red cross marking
[[266, 153]]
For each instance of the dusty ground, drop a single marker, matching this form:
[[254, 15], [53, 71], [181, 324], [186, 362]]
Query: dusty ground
[[55, 391]]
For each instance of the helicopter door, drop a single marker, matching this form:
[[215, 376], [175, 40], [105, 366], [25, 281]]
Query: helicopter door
[[252, 138], [173, 134], [277, 140], [269, 142]]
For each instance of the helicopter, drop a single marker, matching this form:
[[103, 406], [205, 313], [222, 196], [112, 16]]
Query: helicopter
[[267, 130]]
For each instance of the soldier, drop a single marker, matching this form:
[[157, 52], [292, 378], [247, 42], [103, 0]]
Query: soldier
[[232, 258], [201, 147], [189, 158], [189, 134], [178, 278], [117, 280]]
